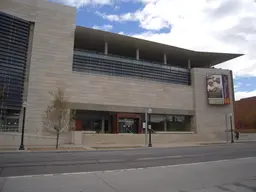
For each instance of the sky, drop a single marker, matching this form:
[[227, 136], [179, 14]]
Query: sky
[[202, 25]]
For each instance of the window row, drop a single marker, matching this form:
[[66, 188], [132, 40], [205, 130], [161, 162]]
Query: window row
[[90, 64]]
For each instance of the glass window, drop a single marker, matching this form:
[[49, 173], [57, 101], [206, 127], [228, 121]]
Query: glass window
[[14, 35], [170, 123], [178, 123], [157, 123], [112, 65], [9, 124]]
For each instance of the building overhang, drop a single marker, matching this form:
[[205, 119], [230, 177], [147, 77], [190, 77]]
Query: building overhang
[[87, 38]]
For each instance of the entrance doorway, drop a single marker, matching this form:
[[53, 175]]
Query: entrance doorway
[[128, 123]]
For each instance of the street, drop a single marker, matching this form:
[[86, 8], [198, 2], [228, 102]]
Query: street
[[229, 167]]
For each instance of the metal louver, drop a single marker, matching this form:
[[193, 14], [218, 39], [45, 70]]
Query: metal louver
[[84, 61], [14, 38]]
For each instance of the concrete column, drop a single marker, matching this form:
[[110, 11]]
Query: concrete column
[[137, 54], [165, 59], [189, 64], [102, 125], [106, 48]]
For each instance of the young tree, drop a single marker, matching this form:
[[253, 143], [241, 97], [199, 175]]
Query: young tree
[[58, 116]]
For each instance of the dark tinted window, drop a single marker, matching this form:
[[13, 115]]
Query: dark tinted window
[[115, 66]]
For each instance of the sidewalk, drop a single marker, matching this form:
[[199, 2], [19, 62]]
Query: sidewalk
[[65, 148], [73, 148]]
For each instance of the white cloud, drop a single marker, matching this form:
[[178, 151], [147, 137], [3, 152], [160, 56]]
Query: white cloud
[[204, 25], [119, 18], [103, 27], [81, 3], [239, 95]]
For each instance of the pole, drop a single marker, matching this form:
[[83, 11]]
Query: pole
[[150, 140], [226, 121], [231, 129], [22, 132], [150, 131], [146, 127]]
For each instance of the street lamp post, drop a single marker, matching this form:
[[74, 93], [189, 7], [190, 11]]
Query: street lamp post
[[23, 126], [147, 111], [149, 128], [150, 132], [146, 127]]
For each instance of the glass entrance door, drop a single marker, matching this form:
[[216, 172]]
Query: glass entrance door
[[128, 125]]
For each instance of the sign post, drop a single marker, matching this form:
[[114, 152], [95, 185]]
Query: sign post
[[146, 127], [147, 111], [150, 131]]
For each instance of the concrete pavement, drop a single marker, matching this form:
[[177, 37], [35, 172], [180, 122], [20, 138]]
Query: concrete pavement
[[244, 138], [235, 175]]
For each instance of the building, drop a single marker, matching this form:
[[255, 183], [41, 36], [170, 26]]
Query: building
[[110, 80], [245, 115]]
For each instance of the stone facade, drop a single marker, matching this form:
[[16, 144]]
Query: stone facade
[[119, 91], [51, 67], [52, 52], [210, 120]]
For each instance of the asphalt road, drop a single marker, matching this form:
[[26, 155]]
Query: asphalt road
[[33, 163], [235, 175]]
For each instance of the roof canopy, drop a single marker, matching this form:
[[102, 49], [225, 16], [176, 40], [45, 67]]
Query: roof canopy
[[91, 39]]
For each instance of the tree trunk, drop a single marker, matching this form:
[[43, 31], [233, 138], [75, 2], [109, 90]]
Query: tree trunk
[[57, 141]]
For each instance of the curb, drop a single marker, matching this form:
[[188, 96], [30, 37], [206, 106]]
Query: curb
[[118, 148], [70, 151], [27, 151], [115, 147], [246, 141]]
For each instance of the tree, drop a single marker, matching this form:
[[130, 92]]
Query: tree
[[58, 116]]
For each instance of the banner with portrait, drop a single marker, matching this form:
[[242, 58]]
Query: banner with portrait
[[217, 89]]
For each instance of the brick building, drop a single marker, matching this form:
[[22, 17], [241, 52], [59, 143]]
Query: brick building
[[245, 114]]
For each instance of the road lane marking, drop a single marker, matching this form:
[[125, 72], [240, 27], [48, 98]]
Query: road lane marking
[[158, 158], [22, 176], [47, 175], [76, 173], [111, 160], [131, 169]]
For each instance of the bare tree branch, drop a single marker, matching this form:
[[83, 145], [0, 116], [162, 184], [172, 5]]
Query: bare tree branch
[[58, 116]]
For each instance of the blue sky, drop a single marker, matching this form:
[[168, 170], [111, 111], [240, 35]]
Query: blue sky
[[89, 17], [245, 84], [95, 20], [200, 25]]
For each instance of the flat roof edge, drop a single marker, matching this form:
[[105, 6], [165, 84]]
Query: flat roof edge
[[215, 57]]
